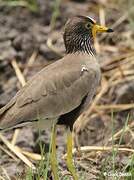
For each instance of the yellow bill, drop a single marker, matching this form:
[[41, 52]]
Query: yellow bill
[[97, 28]]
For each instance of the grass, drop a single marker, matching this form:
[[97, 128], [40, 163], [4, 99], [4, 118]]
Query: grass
[[129, 168], [42, 167], [113, 150], [109, 167], [110, 162], [55, 13], [30, 4]]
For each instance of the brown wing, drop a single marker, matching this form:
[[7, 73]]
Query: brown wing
[[54, 91]]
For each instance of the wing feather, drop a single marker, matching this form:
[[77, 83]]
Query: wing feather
[[56, 90]]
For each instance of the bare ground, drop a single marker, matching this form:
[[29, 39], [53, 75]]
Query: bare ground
[[25, 38]]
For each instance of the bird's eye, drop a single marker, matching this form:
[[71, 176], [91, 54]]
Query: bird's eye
[[88, 26]]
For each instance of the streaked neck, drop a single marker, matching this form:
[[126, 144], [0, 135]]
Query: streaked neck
[[80, 44]]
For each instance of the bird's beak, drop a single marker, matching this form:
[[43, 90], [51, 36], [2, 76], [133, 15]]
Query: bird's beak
[[97, 28]]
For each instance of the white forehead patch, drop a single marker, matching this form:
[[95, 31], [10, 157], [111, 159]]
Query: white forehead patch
[[91, 19]]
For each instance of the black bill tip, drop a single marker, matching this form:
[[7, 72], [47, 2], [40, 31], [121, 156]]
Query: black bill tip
[[110, 30]]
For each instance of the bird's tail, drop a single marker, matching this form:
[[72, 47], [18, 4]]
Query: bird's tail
[[7, 115], [11, 116]]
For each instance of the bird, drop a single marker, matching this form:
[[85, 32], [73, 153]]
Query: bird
[[60, 92]]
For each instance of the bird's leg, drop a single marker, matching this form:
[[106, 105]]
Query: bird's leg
[[54, 164], [69, 161]]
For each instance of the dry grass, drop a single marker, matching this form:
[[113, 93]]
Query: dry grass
[[116, 71]]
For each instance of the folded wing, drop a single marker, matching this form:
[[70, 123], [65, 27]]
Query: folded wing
[[54, 91]]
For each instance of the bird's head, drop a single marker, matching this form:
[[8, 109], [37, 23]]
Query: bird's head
[[80, 32]]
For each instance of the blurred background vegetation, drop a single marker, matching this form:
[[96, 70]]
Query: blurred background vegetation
[[30, 39]]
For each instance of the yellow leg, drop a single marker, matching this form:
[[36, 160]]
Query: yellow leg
[[54, 164], [69, 160]]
